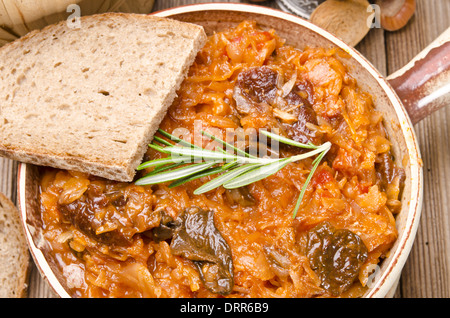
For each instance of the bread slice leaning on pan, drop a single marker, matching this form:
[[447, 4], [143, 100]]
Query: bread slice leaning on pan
[[14, 255], [90, 98]]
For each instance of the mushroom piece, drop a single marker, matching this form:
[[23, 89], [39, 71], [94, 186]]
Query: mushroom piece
[[241, 196], [197, 239], [302, 110], [278, 260], [166, 229], [395, 14], [347, 19], [336, 256], [104, 215], [258, 92], [255, 90]]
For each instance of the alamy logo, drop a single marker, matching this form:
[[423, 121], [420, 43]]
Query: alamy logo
[[73, 20], [373, 21]]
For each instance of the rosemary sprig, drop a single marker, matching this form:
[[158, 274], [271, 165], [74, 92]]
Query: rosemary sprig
[[187, 162]]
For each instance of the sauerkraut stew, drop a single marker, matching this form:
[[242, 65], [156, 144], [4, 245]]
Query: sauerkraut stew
[[113, 239]]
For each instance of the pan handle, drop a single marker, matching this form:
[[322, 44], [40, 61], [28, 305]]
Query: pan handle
[[423, 85]]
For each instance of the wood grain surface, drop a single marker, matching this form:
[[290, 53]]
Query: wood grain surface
[[427, 271]]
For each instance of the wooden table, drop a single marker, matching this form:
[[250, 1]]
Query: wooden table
[[427, 271]]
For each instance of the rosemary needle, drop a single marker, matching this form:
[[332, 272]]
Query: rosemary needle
[[186, 162]]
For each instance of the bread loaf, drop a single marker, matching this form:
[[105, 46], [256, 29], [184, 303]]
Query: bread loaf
[[14, 256], [90, 98]]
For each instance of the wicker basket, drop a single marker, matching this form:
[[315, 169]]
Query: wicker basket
[[18, 17]]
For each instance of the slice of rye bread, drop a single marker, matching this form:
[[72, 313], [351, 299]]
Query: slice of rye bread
[[91, 98], [14, 255]]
